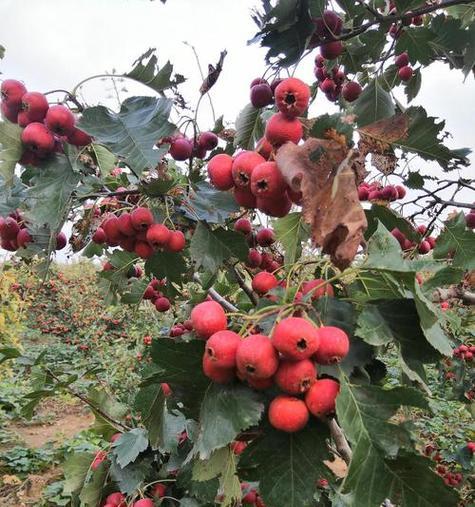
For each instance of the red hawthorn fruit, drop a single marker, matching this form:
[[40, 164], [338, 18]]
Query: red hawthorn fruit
[[334, 345], [281, 129], [295, 377], [99, 236], [243, 225], [111, 227], [276, 207], [245, 198], [143, 249], [9, 244], [208, 140], [166, 389], [331, 50], [264, 148], [141, 218], [399, 236], [254, 258], [263, 282], [401, 191], [220, 171], [296, 338], [23, 238], [431, 240], [242, 167], [12, 92], [176, 331], [401, 60], [275, 83], [37, 138], [61, 241], [324, 288], [256, 81], [176, 241], [256, 357], [288, 414], [267, 181], [158, 235], [363, 193], [198, 151], [127, 244], [292, 97], [162, 304], [405, 73], [351, 91], [319, 61], [424, 247], [265, 237], [60, 120], [221, 348], [181, 149], [320, 398], [238, 447], [471, 447], [327, 86], [215, 373], [79, 138], [159, 490], [117, 499], [389, 193], [144, 502], [320, 73], [208, 318], [259, 384], [188, 325], [469, 220], [9, 228], [125, 225], [35, 106], [98, 459], [115, 437], [261, 95], [421, 229], [329, 25], [10, 113]]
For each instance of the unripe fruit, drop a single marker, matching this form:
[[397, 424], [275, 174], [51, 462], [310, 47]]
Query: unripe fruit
[[220, 171], [9, 228], [327, 86], [324, 288], [296, 338], [60, 120], [221, 348], [37, 138], [292, 97], [275, 206], [334, 345], [295, 377], [265, 237], [401, 60], [143, 249], [263, 282], [261, 95], [176, 241], [243, 166], [245, 198], [281, 129], [320, 398], [267, 181], [141, 218], [243, 225], [256, 357], [254, 259], [61, 241], [331, 50], [158, 235], [79, 138], [208, 318], [424, 247], [405, 73], [35, 106], [288, 414], [125, 225], [351, 91], [329, 25], [23, 238], [162, 304], [144, 502], [181, 149], [12, 92], [208, 140]]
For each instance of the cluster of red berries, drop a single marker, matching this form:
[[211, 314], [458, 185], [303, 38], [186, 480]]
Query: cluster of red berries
[[375, 191], [45, 127], [465, 352], [183, 148], [424, 247], [405, 71], [262, 93], [470, 219], [450, 478], [14, 233], [250, 496], [396, 30], [333, 83], [327, 28], [286, 358], [137, 232]]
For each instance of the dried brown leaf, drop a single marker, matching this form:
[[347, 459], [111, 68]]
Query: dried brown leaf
[[323, 170]]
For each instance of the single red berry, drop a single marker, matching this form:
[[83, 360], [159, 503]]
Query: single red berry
[[125, 225], [117, 499], [12, 92], [79, 138], [331, 50], [334, 345], [208, 140], [238, 447], [144, 502], [292, 97], [215, 373], [256, 357], [220, 171], [265, 237], [470, 220], [351, 91], [295, 377], [38, 139], [296, 338], [162, 304], [208, 318], [288, 414], [424, 247], [389, 193], [10, 113], [143, 249], [23, 238], [158, 235], [256, 81], [243, 225], [277, 207], [320, 398], [263, 282], [327, 86], [401, 60], [267, 181], [35, 106], [254, 258], [61, 241], [60, 120], [181, 149], [405, 73], [142, 218], [243, 166], [329, 25], [261, 95], [245, 198], [318, 288], [401, 191], [221, 348], [281, 129], [176, 241], [9, 228]]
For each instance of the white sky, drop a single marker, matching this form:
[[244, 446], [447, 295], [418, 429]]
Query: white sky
[[56, 43]]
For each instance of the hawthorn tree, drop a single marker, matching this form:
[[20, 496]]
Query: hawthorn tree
[[283, 254]]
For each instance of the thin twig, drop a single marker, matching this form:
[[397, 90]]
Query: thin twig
[[217, 297], [242, 283]]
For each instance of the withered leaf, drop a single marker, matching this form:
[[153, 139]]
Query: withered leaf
[[213, 74], [323, 170]]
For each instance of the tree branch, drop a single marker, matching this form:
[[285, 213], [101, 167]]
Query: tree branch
[[342, 445], [245, 287], [217, 297]]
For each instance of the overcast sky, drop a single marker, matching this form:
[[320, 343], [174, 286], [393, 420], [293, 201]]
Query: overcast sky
[[56, 43]]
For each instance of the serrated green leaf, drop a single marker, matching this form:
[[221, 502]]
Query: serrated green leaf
[[210, 248], [133, 132], [205, 470], [135, 293], [129, 446], [417, 43], [225, 412], [291, 231], [413, 87], [106, 160], [150, 402], [331, 121], [449, 275], [11, 149], [375, 286], [390, 219], [414, 180], [131, 477], [91, 493], [109, 405], [76, 468], [373, 104], [372, 328], [249, 127], [167, 265]]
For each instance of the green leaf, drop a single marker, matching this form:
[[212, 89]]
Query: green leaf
[[129, 446], [414, 180], [106, 160], [150, 402], [131, 477], [326, 122], [390, 219], [135, 293], [413, 87], [417, 43], [147, 72], [249, 127], [7, 353], [407, 5], [445, 276], [225, 412], [11, 149], [373, 104], [110, 406], [210, 248], [456, 239], [287, 465], [172, 425], [93, 488], [372, 328], [167, 265], [374, 286], [76, 468], [133, 132], [291, 231], [205, 470], [208, 204]]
